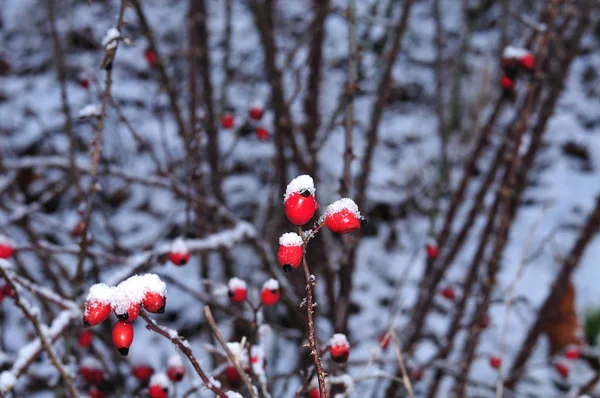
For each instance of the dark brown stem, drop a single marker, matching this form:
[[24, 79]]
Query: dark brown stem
[[351, 85]]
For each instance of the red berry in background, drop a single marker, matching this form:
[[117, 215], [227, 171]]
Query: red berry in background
[[175, 369], [7, 247], [97, 305], [179, 253], [122, 336], [384, 341], [262, 133], [527, 62], [339, 348], [495, 362], [507, 83], [142, 372], [129, 313], [314, 393], [448, 293], [159, 386], [562, 369], [237, 290], [227, 120], [290, 251], [256, 111], [269, 294], [91, 370], [432, 249], [232, 376], [343, 216], [85, 338], [299, 200], [95, 393], [154, 302], [84, 83], [151, 56]]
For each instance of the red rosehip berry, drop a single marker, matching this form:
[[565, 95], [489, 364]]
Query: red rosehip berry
[[270, 292], [290, 251], [179, 253], [562, 369], [227, 120], [572, 353], [432, 249], [495, 362], [97, 305], [175, 369], [232, 376], [142, 372], [339, 348], [127, 314], [299, 201], [151, 56], [85, 338], [343, 216], [237, 290], [507, 83], [314, 393], [91, 370], [448, 293], [158, 392], [527, 62], [256, 111], [7, 247], [159, 386], [262, 133], [154, 302], [122, 336]]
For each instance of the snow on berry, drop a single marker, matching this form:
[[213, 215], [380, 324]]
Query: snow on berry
[[270, 292], [290, 239], [572, 353], [155, 295], [233, 394], [97, 305], [91, 370], [7, 247], [514, 52], [299, 184], [237, 290], [290, 251], [343, 216], [256, 111], [159, 385], [179, 253], [175, 368], [299, 200], [339, 347]]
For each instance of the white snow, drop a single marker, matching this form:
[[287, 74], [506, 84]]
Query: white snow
[[514, 52], [342, 204], [6, 241], [233, 394], [111, 38], [236, 283], [214, 382], [154, 284], [339, 339], [100, 292], [298, 184], [7, 381], [175, 361], [179, 246], [130, 291], [271, 284], [257, 103], [90, 363], [160, 379], [91, 110], [290, 239]]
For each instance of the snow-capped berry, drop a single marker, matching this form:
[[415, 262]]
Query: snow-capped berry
[[572, 353], [129, 314], [154, 302], [432, 249], [343, 216], [232, 376], [7, 247], [262, 133], [175, 368], [314, 393], [527, 62], [448, 293], [507, 83], [562, 369], [91, 370], [95, 393], [151, 56], [85, 338], [495, 362], [159, 386], [142, 372], [237, 290], [339, 348], [270, 292], [299, 200], [256, 111], [227, 120], [179, 253], [122, 336], [97, 305], [290, 251]]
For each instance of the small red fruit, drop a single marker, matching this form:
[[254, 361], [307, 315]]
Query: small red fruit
[[179, 253], [91, 370], [270, 292], [151, 56], [314, 393], [527, 62], [95, 393], [122, 336], [159, 386], [97, 305], [85, 338], [154, 302], [562, 369], [128, 314], [84, 83], [299, 201], [507, 83], [495, 362], [7, 247], [237, 290], [227, 120], [339, 348], [256, 111], [448, 293], [142, 372], [343, 216], [572, 353], [175, 369], [290, 251], [159, 392], [232, 376], [432, 249], [262, 133]]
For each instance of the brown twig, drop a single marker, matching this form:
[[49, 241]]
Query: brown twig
[[398, 351]]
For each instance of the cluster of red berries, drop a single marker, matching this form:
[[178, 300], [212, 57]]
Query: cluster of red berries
[[237, 291], [179, 254], [514, 60], [125, 300], [255, 114]]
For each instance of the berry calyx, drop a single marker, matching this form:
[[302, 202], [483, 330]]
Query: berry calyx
[[175, 369], [237, 290], [290, 251], [448, 293], [97, 305], [142, 372], [151, 56], [122, 336], [7, 247], [154, 302], [85, 338], [299, 200], [339, 348], [562, 369], [495, 362], [262, 133], [343, 216], [270, 292], [227, 120], [179, 253]]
